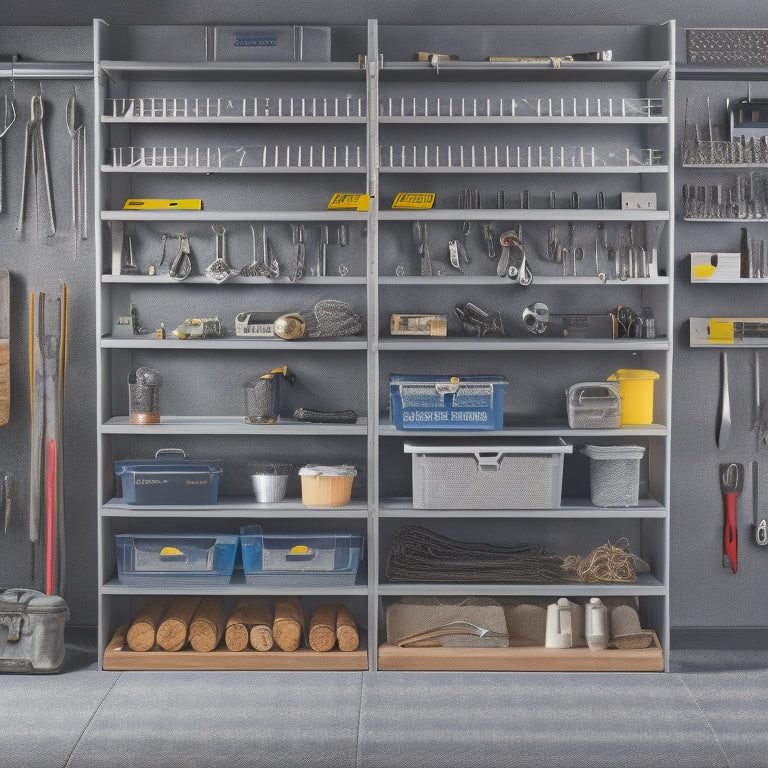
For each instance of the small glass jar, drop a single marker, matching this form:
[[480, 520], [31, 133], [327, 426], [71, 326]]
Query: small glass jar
[[144, 396]]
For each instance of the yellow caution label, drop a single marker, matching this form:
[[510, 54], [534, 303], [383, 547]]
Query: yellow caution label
[[349, 201], [721, 331], [160, 204], [413, 200]]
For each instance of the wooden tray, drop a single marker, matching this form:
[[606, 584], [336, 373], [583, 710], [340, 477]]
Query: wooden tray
[[118, 658], [522, 659]]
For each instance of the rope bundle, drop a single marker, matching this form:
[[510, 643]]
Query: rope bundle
[[606, 563]]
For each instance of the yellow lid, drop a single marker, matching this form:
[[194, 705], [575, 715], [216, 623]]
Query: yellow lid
[[624, 374]]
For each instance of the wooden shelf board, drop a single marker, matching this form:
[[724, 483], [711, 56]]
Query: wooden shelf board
[[118, 658], [521, 659]]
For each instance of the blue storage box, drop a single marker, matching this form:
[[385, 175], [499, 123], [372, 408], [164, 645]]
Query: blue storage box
[[305, 560], [447, 402], [169, 478], [178, 560]]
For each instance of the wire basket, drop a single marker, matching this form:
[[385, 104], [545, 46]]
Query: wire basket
[[614, 474]]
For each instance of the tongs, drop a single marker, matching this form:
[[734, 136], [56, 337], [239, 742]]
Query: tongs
[[36, 174], [451, 628]]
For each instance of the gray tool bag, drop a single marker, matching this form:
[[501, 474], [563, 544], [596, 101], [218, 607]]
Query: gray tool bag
[[31, 631]]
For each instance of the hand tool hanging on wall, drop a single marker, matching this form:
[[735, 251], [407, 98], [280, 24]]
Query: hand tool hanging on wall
[[760, 523], [731, 484], [5, 348], [78, 153], [36, 179], [9, 118], [724, 411], [47, 342]]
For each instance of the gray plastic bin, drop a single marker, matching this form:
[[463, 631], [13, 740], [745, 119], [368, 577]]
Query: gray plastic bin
[[520, 475], [614, 474]]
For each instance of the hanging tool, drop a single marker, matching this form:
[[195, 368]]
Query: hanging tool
[[266, 265], [48, 338], [36, 177], [297, 231], [322, 251], [78, 152], [521, 274], [181, 265], [420, 237], [724, 412], [9, 118], [219, 269], [760, 524], [5, 347], [7, 499], [731, 484]]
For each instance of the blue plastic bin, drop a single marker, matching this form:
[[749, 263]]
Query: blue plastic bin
[[202, 560], [427, 402], [306, 560]]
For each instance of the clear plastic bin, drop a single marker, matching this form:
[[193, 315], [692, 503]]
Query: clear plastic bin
[[305, 560], [175, 560]]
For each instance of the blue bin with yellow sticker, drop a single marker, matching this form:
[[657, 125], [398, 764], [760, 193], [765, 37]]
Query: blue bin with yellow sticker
[[302, 560]]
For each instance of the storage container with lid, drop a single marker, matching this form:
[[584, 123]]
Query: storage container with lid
[[326, 486]]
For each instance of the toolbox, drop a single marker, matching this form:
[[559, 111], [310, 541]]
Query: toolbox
[[169, 478], [178, 560], [525, 474], [31, 631], [428, 402], [304, 560]]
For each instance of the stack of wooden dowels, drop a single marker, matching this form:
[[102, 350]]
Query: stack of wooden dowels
[[170, 624]]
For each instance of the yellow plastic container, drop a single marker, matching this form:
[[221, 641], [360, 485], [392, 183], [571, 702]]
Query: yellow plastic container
[[636, 392], [323, 486]]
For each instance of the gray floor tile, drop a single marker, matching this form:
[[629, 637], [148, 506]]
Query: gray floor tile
[[734, 701], [43, 717], [228, 719], [442, 720]]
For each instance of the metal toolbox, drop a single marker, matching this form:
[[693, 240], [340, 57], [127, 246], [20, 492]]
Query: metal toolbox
[[169, 478], [525, 474], [179, 560], [31, 631], [447, 402], [306, 560]]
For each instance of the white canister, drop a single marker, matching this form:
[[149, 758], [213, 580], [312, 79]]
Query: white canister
[[596, 624]]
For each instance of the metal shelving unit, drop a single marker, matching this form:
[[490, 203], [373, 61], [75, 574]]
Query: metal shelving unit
[[284, 194]]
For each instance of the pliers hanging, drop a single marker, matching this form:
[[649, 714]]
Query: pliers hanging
[[36, 172]]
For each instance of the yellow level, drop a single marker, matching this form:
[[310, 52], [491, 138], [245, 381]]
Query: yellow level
[[413, 200], [161, 204], [349, 201]]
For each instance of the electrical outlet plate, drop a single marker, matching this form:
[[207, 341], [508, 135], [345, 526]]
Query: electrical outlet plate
[[638, 201]]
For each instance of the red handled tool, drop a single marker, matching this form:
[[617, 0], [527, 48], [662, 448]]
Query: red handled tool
[[731, 483]]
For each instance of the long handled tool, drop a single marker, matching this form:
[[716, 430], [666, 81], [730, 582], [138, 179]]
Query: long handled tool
[[5, 349], [731, 484], [9, 118], [47, 339]]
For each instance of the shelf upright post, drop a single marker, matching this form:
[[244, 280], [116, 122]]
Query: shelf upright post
[[372, 293]]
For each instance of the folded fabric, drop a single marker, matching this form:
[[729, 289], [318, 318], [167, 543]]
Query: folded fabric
[[420, 555]]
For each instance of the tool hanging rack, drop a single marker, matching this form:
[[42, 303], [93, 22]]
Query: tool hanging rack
[[16, 69]]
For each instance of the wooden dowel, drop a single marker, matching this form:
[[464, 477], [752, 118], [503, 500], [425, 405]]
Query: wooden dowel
[[288, 626], [174, 628], [347, 633], [322, 628], [251, 620], [207, 626], [141, 634]]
